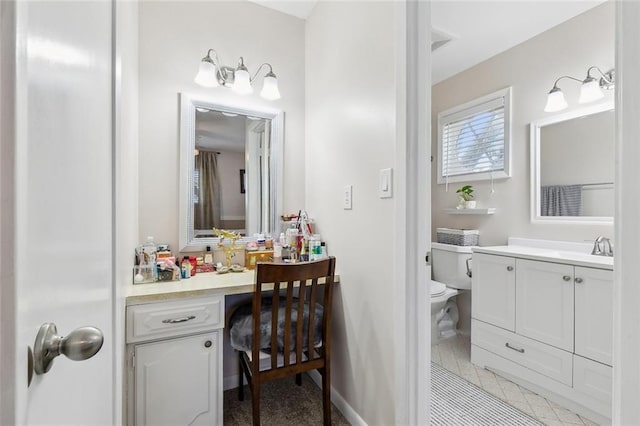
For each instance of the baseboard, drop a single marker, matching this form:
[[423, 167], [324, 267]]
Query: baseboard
[[341, 404]]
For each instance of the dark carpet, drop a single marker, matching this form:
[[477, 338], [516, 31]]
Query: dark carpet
[[282, 403]]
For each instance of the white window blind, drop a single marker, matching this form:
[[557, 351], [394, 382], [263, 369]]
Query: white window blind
[[473, 140]]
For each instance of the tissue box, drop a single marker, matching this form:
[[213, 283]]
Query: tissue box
[[253, 257], [458, 237]]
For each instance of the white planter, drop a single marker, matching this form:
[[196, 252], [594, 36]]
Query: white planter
[[470, 204]]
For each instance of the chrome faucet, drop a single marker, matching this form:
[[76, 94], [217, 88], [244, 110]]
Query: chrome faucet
[[602, 247]]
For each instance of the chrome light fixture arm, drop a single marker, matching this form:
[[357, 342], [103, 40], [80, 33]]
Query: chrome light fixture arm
[[555, 84], [607, 79], [270, 73]]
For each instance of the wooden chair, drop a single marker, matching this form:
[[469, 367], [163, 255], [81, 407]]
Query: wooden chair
[[288, 353]]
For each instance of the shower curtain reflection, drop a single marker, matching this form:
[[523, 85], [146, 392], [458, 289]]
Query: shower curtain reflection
[[207, 192]]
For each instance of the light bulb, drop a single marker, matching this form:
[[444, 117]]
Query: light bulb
[[555, 101], [206, 76], [590, 91], [242, 82], [270, 87]]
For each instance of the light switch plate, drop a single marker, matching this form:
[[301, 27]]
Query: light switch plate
[[346, 197], [386, 183]]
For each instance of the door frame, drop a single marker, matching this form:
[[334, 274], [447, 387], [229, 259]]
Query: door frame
[[626, 333], [413, 212], [7, 216]]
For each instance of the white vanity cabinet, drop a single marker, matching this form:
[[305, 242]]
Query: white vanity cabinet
[[547, 323], [594, 314], [494, 290], [544, 302], [175, 371]]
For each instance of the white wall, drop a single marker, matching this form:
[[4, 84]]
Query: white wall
[[174, 36], [530, 68], [350, 136]]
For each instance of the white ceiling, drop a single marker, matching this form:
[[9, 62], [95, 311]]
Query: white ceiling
[[480, 29]]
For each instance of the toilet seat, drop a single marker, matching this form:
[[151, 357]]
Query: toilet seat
[[437, 288]]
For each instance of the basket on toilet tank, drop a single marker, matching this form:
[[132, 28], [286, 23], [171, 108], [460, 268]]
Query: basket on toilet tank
[[458, 237]]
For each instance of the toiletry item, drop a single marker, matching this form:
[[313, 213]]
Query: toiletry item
[[304, 253], [208, 256], [149, 252], [194, 264], [186, 268], [323, 250], [268, 243], [277, 250], [199, 260]]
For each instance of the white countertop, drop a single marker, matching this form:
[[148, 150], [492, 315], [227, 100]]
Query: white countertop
[[203, 284], [549, 254]]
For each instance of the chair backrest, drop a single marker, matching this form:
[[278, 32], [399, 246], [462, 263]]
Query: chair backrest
[[306, 277]]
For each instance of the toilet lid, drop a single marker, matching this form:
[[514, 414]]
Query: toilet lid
[[437, 288]]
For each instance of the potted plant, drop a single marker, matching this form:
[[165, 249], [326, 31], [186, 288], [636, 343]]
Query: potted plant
[[465, 196]]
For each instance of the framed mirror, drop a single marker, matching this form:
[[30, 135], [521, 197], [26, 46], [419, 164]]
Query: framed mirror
[[573, 166], [230, 170]]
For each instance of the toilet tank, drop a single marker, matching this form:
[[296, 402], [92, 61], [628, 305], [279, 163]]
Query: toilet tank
[[449, 265]]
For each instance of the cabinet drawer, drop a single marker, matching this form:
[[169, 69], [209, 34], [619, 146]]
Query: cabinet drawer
[[543, 359], [166, 319]]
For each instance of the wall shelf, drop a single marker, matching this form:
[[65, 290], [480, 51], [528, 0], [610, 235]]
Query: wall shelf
[[485, 211]]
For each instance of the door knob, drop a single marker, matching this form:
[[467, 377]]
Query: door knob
[[82, 343]]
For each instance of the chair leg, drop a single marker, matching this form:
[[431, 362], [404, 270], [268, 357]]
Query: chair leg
[[255, 402], [326, 395], [299, 379], [240, 379]]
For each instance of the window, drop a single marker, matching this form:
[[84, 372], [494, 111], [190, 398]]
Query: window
[[474, 139]]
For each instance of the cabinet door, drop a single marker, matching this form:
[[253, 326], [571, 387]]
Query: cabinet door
[[178, 381], [493, 290], [544, 302], [594, 314]]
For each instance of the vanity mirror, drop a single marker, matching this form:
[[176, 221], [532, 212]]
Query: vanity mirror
[[572, 166], [230, 170]]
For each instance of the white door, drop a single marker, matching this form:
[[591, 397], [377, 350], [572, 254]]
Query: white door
[[63, 205], [544, 302], [594, 314], [494, 290]]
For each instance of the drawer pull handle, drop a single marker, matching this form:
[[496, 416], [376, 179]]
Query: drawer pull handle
[[579, 280], [178, 320], [514, 348], [566, 278], [509, 268]]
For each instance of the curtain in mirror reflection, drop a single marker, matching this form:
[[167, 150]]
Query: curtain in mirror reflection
[[207, 199]]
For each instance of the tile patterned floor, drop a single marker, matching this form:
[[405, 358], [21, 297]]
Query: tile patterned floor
[[455, 354]]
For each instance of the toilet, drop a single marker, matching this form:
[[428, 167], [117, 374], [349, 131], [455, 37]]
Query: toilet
[[449, 271]]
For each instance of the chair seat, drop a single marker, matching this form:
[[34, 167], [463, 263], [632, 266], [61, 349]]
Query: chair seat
[[241, 326]]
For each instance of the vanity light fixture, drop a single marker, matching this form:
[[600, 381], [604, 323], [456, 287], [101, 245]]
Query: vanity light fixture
[[213, 74], [591, 89]]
